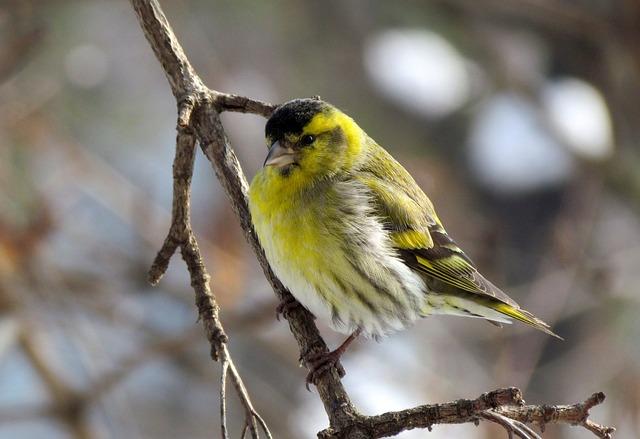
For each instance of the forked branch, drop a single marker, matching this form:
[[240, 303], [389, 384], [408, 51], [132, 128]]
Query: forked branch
[[503, 406]]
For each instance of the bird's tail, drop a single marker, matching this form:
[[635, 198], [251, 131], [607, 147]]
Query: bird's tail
[[523, 316], [493, 310]]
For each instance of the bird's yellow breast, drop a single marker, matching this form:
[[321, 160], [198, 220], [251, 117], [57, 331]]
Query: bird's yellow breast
[[292, 228]]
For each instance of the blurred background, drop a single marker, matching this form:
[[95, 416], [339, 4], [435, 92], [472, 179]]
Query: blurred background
[[519, 118]]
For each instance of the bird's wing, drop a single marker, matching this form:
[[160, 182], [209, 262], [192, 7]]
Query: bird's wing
[[420, 238]]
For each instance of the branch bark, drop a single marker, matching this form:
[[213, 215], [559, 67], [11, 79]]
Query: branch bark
[[492, 406], [199, 111]]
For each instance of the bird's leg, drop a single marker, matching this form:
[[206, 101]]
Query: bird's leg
[[285, 306], [319, 363]]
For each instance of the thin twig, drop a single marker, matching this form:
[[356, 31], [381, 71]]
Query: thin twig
[[223, 399], [252, 418], [262, 424], [510, 425]]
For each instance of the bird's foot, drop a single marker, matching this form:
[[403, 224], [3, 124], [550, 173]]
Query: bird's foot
[[286, 306], [321, 362]]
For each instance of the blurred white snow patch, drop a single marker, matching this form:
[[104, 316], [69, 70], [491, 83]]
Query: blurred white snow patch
[[419, 69], [511, 151], [86, 66], [580, 115]]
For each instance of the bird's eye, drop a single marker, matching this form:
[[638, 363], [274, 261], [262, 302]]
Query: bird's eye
[[307, 140]]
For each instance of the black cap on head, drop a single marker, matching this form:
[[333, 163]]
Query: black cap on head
[[292, 116]]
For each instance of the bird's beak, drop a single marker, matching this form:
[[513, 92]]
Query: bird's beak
[[279, 156]]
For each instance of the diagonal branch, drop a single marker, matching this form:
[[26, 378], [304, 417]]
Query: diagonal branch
[[198, 110], [199, 120]]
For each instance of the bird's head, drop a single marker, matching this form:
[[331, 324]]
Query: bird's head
[[310, 139]]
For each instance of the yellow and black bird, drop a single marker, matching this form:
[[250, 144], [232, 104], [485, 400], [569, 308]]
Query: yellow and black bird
[[349, 232]]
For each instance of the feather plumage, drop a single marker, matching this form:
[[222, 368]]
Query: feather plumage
[[354, 238]]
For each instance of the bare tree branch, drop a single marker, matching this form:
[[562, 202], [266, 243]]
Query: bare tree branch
[[199, 120], [575, 414], [494, 406], [198, 109]]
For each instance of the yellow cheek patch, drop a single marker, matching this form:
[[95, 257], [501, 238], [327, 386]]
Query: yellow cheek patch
[[330, 120]]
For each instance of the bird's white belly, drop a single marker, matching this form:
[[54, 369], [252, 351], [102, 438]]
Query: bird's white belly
[[317, 290], [340, 265]]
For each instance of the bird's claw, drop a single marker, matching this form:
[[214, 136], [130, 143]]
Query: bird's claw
[[321, 362]]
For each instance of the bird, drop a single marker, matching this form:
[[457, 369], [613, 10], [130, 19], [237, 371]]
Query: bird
[[351, 235]]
